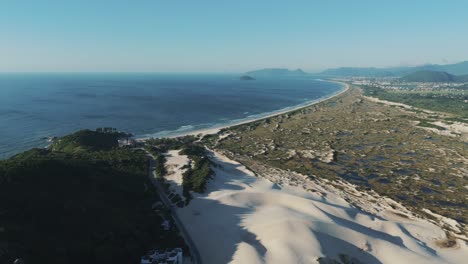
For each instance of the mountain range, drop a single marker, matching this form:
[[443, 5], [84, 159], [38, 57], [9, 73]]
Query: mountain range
[[456, 69], [460, 68]]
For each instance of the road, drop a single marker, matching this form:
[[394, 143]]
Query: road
[[188, 240]]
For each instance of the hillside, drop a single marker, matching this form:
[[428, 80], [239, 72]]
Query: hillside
[[462, 78], [276, 73], [88, 140], [352, 71], [433, 76], [454, 69], [429, 76], [80, 206]]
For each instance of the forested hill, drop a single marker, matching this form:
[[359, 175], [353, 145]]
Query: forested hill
[[434, 76], [82, 201]]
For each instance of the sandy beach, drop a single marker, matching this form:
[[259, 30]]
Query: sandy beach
[[214, 130], [246, 219], [284, 217]]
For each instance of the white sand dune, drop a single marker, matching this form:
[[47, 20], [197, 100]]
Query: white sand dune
[[174, 164], [247, 219]]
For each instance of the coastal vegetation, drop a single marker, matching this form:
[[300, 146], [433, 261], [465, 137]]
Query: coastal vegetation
[[447, 102], [374, 146], [160, 169], [196, 174], [81, 201], [88, 140], [162, 145], [425, 123]]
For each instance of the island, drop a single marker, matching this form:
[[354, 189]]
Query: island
[[276, 73], [246, 78]]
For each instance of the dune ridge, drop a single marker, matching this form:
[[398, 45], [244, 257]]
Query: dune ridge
[[247, 219]]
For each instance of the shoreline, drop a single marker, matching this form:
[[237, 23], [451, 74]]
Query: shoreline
[[216, 129]]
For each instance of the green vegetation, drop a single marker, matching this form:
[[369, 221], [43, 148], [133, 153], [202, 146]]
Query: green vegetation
[[158, 146], [196, 177], [82, 201], [373, 146], [161, 145], [429, 76], [456, 119], [448, 103], [160, 169], [430, 125], [88, 140], [197, 173]]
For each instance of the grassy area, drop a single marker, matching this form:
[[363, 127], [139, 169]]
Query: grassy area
[[162, 145], [449, 102], [457, 119], [196, 176], [430, 125], [376, 147], [87, 206]]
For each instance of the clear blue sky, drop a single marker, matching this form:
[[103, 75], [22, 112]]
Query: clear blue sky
[[228, 36]]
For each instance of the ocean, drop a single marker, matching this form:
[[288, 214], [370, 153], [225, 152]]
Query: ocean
[[34, 106]]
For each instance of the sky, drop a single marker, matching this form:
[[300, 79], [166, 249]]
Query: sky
[[228, 36]]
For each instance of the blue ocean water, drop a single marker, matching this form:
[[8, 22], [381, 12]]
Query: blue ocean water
[[34, 106]]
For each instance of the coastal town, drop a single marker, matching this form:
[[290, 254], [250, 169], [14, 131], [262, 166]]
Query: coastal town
[[396, 84]]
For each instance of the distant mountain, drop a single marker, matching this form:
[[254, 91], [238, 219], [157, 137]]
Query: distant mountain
[[276, 73], [454, 69], [433, 76], [365, 72], [429, 76]]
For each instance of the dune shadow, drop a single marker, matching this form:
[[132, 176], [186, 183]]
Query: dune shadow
[[233, 187], [220, 227], [420, 243], [337, 249], [219, 239], [365, 230]]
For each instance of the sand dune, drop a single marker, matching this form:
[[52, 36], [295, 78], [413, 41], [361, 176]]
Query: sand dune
[[174, 166], [248, 219]]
